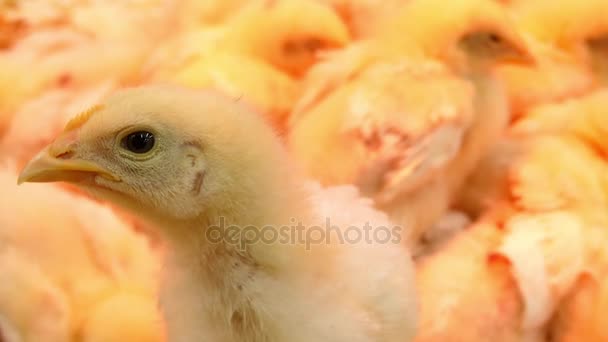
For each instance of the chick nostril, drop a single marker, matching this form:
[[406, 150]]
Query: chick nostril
[[65, 155]]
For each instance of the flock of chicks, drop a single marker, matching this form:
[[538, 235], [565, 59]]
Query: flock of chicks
[[433, 109]]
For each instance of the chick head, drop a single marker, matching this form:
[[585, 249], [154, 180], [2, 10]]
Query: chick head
[[570, 26], [465, 32], [490, 46], [171, 153], [290, 34]]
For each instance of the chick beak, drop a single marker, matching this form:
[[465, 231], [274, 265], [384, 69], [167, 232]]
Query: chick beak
[[58, 165], [523, 57], [523, 54]]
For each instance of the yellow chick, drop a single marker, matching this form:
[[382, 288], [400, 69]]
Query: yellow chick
[[38, 120], [572, 60], [74, 255], [404, 127], [568, 40], [288, 34], [583, 117], [575, 130], [269, 90], [480, 302], [62, 59], [32, 307], [55, 55], [211, 177], [194, 13], [553, 234], [256, 55], [508, 273], [582, 315], [581, 182], [363, 17]]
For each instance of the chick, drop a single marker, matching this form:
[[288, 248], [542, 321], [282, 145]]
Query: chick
[[256, 55], [570, 42], [287, 34], [61, 59], [246, 79], [508, 273], [46, 116], [193, 13], [583, 117], [363, 17], [406, 128], [67, 54], [536, 186], [32, 307], [565, 37], [480, 302], [197, 166], [579, 115], [75, 255], [581, 316]]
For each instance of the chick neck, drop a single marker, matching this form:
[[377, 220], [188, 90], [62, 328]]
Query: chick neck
[[209, 286], [599, 58], [275, 202], [491, 116]]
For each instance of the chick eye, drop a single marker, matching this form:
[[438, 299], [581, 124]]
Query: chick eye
[[139, 142], [494, 38]]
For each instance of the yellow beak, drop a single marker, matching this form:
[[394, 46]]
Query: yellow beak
[[525, 59], [45, 167], [525, 52]]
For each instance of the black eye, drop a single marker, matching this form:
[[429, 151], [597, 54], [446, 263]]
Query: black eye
[[139, 142], [494, 38]]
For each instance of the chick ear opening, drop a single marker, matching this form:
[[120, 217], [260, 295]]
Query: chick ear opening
[[193, 162]]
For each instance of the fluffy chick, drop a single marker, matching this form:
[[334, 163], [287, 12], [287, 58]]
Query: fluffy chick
[[287, 34], [480, 302], [40, 119], [583, 117], [404, 127], [256, 55], [508, 273], [568, 39], [579, 124], [189, 161], [269, 90], [74, 254], [66, 54], [582, 314], [194, 13], [32, 306], [363, 17]]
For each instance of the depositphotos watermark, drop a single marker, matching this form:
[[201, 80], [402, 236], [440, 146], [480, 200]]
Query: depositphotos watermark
[[298, 233]]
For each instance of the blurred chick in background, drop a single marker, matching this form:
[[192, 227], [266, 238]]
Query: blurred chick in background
[[64, 259], [554, 232], [413, 111], [257, 54], [515, 269], [568, 40], [573, 32], [364, 17], [59, 44], [46, 115]]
